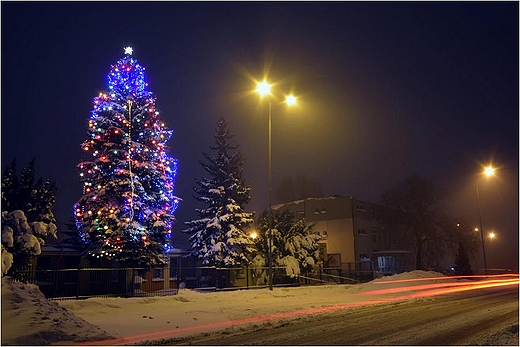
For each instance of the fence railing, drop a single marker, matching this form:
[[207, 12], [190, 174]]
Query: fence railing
[[132, 282], [88, 282]]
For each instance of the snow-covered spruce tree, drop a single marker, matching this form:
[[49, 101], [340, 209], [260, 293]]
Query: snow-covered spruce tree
[[294, 245], [126, 212], [218, 237], [27, 218]]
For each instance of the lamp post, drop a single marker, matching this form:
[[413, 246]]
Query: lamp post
[[270, 233], [264, 88], [488, 171]]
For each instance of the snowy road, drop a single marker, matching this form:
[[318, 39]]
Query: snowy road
[[469, 318]]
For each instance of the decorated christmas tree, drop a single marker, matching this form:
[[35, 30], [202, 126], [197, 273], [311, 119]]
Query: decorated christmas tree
[[218, 237], [127, 209]]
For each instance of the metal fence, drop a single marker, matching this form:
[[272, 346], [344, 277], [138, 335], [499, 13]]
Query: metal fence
[[88, 282], [132, 282]]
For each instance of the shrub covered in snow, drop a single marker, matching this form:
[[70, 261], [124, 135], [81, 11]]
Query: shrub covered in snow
[[22, 240], [294, 245], [27, 218], [7, 260]]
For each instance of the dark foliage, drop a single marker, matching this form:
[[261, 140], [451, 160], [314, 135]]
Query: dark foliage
[[462, 264]]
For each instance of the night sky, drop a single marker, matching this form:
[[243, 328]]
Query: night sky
[[386, 90]]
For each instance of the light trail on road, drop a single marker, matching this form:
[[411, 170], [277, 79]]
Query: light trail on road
[[444, 278], [463, 286], [473, 286], [418, 291]]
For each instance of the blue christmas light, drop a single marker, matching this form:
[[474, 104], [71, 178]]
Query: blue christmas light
[[127, 144]]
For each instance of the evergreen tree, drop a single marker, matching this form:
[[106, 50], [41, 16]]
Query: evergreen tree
[[10, 187], [69, 237], [21, 192], [462, 264], [126, 212], [291, 240], [27, 218], [218, 237]]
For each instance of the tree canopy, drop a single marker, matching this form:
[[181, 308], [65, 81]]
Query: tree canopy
[[415, 204]]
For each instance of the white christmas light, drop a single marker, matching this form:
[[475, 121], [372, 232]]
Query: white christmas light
[[129, 50]]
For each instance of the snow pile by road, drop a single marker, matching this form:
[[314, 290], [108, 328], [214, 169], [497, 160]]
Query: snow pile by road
[[28, 318]]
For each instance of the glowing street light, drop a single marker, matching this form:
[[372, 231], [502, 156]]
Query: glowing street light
[[492, 235], [488, 172], [290, 100], [263, 89]]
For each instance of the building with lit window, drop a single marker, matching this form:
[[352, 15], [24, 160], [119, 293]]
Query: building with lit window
[[354, 238]]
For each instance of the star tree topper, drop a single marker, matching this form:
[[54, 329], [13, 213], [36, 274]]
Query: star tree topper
[[128, 50]]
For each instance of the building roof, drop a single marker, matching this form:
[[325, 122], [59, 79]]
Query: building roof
[[296, 202]]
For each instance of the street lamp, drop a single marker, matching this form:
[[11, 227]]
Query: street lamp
[[264, 89], [488, 172]]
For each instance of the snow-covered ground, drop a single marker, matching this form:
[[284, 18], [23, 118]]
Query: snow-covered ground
[[28, 318]]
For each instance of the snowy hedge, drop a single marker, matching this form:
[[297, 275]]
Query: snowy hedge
[[22, 238]]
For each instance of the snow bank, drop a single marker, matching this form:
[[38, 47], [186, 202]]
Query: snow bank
[[28, 318]]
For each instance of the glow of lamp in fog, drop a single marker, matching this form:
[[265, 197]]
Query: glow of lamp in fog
[[489, 171], [263, 88], [290, 100]]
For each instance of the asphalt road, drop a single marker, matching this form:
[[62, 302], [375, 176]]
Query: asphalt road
[[454, 319]]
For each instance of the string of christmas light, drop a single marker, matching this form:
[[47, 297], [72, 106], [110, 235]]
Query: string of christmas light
[[129, 179]]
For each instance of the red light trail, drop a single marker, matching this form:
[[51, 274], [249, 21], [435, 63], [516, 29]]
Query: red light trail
[[444, 278], [448, 287]]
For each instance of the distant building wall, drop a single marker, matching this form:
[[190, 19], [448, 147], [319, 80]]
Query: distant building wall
[[351, 228]]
